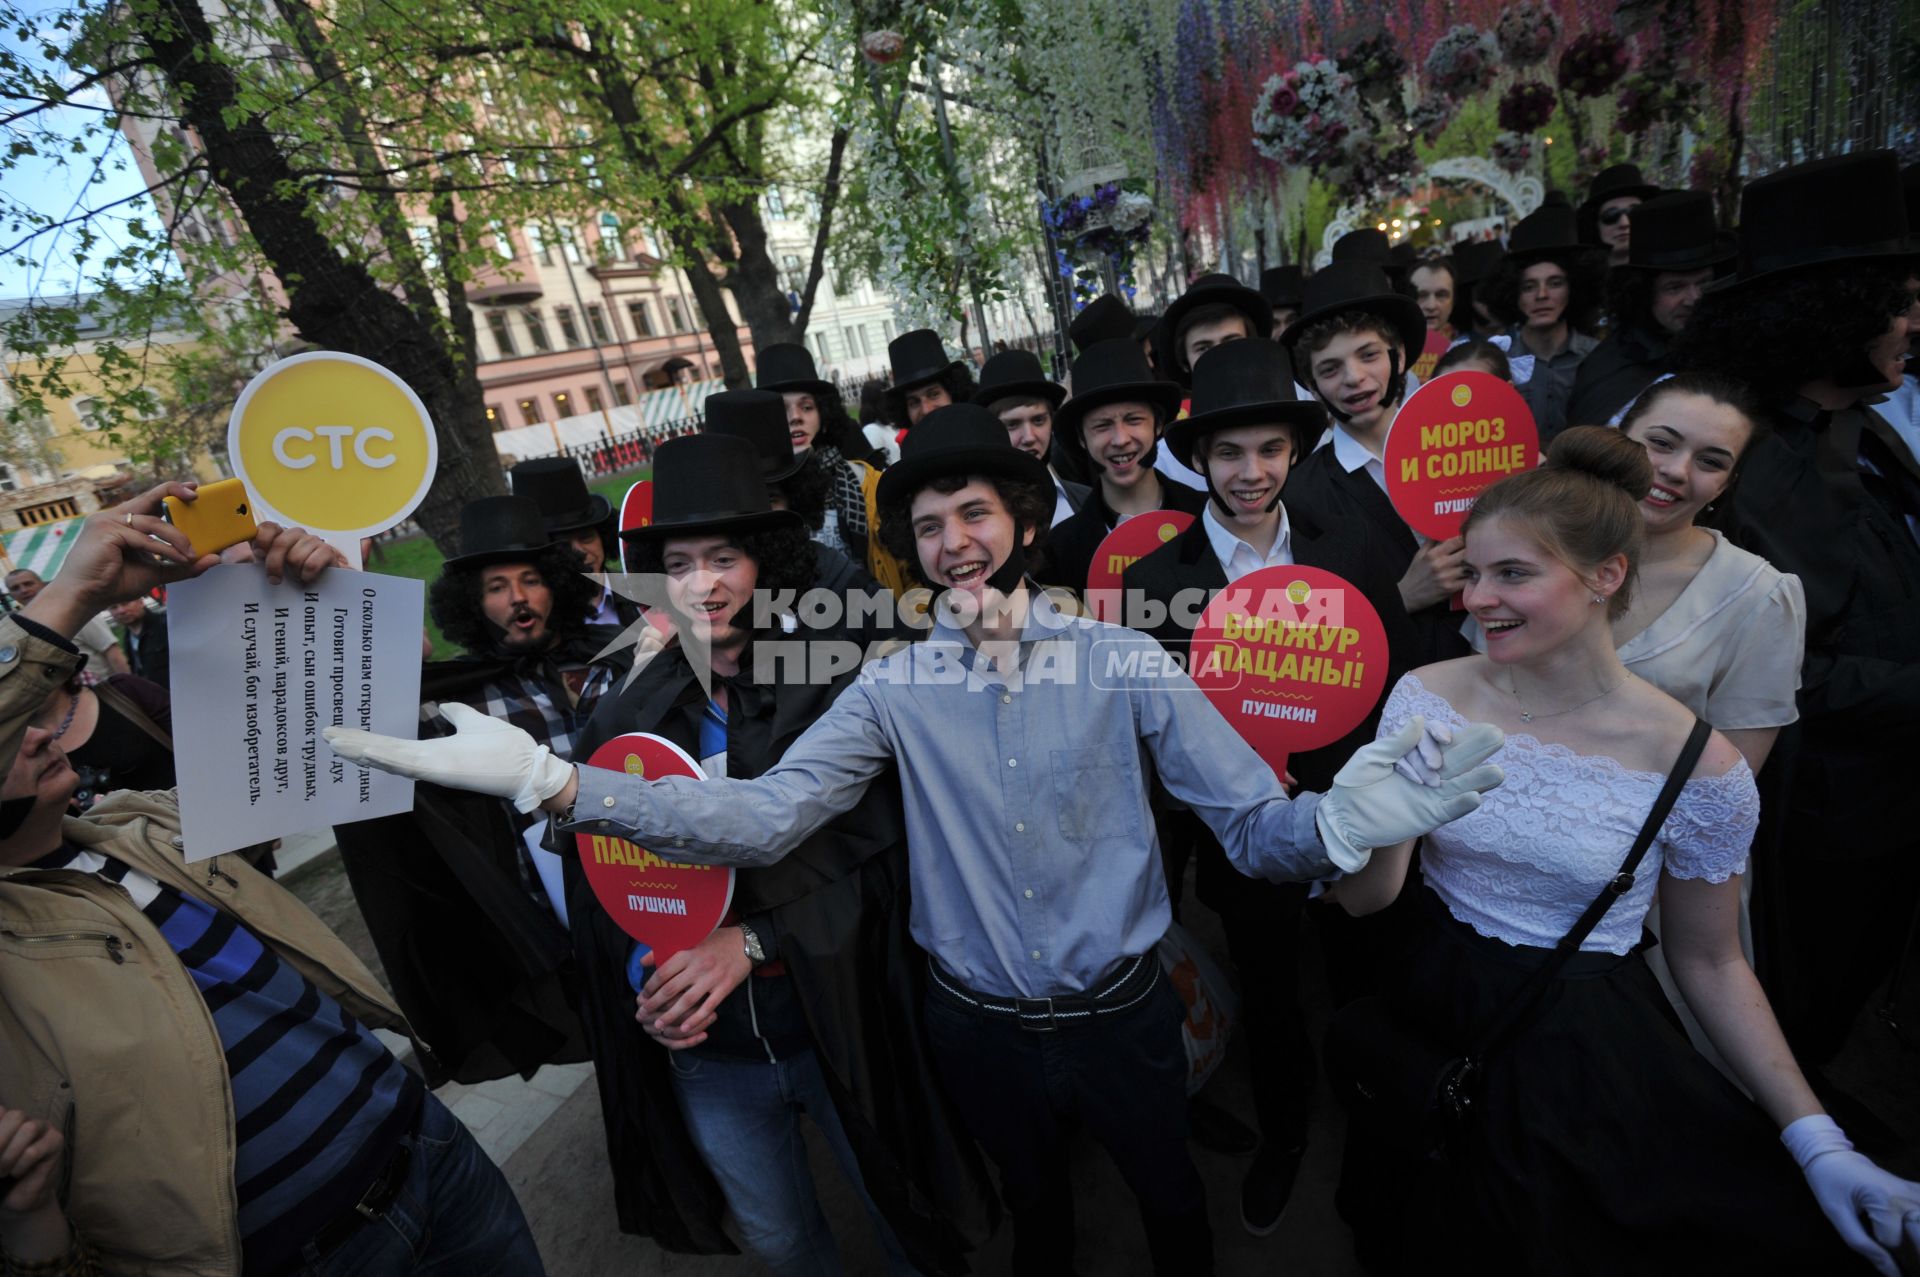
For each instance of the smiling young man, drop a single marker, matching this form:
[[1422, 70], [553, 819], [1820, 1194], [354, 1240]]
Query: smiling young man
[[1547, 290], [1114, 420], [1036, 881], [1014, 389]]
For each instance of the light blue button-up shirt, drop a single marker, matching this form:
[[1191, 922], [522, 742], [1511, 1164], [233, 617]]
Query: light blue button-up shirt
[[1034, 863]]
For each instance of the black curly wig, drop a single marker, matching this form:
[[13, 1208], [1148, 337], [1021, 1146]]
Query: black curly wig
[[1030, 504], [453, 600], [1779, 334], [783, 557], [1586, 276], [839, 431], [958, 379], [808, 490]]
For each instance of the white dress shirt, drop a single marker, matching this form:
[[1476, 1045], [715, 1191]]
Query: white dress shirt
[[1236, 556], [1353, 455]]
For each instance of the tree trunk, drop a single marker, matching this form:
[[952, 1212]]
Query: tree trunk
[[332, 302], [755, 279]]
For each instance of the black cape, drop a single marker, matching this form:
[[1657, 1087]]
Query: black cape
[[1067, 554], [1614, 373]]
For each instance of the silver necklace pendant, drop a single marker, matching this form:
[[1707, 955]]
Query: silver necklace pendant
[[1525, 717]]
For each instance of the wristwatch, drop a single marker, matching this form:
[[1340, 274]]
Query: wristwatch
[[751, 943]]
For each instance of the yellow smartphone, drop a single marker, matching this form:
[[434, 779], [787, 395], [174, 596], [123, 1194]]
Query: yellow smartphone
[[219, 516]]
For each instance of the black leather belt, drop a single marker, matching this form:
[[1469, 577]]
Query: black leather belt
[[373, 1204], [1126, 986]]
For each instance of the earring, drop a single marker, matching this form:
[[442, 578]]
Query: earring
[[1599, 598]]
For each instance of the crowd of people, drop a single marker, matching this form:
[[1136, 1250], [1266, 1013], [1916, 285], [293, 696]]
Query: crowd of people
[[1600, 887]]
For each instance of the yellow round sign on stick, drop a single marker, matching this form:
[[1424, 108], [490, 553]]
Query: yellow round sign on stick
[[334, 443]]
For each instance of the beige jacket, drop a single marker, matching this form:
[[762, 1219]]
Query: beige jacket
[[103, 1032]]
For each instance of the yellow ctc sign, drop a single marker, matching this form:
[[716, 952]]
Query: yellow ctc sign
[[333, 442]]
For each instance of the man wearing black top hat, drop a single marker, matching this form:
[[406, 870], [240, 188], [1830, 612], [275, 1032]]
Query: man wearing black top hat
[[1114, 419], [1214, 310], [804, 998], [1246, 430], [1280, 286], [924, 378], [1547, 290], [579, 519], [1473, 264], [1104, 318], [1613, 201], [1815, 320], [1651, 296], [1013, 388]]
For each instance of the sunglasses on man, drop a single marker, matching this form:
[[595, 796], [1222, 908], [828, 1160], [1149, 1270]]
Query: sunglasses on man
[[1608, 216]]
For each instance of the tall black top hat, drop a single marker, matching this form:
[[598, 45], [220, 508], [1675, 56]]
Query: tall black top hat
[[788, 365], [959, 440], [1368, 244], [1548, 231], [1017, 372], [499, 530], [1113, 371], [917, 356], [556, 485], [1845, 208], [1208, 290], [1104, 318], [710, 483], [1361, 286], [759, 417], [1245, 383], [1475, 260], [1280, 285], [1617, 182], [1675, 232]]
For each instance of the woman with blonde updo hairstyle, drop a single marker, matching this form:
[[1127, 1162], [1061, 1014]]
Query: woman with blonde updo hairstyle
[[1599, 1140]]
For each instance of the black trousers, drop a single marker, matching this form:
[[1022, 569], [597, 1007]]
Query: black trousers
[[1122, 1077]]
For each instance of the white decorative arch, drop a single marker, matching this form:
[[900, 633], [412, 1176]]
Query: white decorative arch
[[1522, 193]]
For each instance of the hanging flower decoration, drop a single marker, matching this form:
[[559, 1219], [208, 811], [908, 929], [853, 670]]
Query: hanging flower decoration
[[882, 47], [1462, 62], [1373, 174], [1376, 64], [1308, 115], [1593, 63], [1632, 16], [1526, 33], [1110, 223], [1430, 118], [1657, 95], [1527, 106], [1511, 151]]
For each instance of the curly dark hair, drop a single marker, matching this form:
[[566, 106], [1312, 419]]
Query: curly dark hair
[[783, 557], [839, 430], [958, 379], [1586, 276], [1779, 334], [808, 490], [1031, 505], [453, 600]]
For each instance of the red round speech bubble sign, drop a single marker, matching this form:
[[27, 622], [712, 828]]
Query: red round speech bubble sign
[[1133, 540], [1455, 436], [1293, 657], [636, 509], [664, 905]]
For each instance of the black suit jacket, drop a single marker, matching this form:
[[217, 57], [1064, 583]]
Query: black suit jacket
[[1613, 376], [1077, 493], [1070, 546], [1188, 562], [1343, 503]]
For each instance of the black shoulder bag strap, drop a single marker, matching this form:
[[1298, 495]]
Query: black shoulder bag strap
[[1528, 999]]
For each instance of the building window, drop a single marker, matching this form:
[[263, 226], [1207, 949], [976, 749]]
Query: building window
[[886, 326], [424, 248], [790, 267], [622, 393], [562, 405], [502, 242], [776, 207], [642, 316], [7, 480], [856, 343], [594, 402], [597, 324], [530, 411], [676, 315], [536, 328], [502, 335], [538, 243], [569, 330], [570, 245], [610, 244], [493, 416], [88, 410]]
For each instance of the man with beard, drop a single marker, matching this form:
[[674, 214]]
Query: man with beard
[[581, 520]]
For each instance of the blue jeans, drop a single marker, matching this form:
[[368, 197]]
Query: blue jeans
[[744, 1115], [455, 1216]]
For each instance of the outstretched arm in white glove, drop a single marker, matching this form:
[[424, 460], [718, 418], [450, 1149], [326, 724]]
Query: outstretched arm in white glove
[[484, 756], [1373, 803]]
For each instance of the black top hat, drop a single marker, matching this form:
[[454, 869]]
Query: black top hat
[[1368, 244], [917, 356], [759, 417], [1910, 182], [1113, 371], [499, 530], [1475, 260], [556, 485], [959, 439], [1614, 182], [1675, 232], [1144, 326], [1104, 318], [1361, 286], [1548, 231], [1844, 208], [711, 483], [1016, 372], [1245, 383], [788, 365], [1208, 290], [1280, 285]]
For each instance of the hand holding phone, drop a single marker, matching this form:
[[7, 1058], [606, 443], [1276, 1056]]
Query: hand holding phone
[[221, 516]]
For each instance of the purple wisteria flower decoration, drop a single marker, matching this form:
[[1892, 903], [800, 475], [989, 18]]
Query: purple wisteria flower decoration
[[1526, 107], [1526, 33], [1593, 63], [1462, 62]]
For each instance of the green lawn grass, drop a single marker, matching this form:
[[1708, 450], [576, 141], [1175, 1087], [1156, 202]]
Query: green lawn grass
[[420, 558]]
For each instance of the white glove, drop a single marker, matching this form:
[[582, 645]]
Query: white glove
[[1422, 763], [484, 755], [1848, 1186], [1373, 805]]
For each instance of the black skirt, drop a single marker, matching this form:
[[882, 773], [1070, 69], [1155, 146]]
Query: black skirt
[[1602, 1141]]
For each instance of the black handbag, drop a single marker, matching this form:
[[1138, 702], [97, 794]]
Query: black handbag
[[1418, 1094]]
